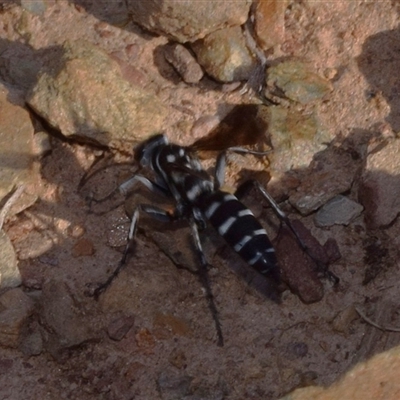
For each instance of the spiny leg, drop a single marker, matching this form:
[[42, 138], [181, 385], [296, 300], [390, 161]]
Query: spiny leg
[[283, 217], [152, 211], [126, 187], [205, 281]]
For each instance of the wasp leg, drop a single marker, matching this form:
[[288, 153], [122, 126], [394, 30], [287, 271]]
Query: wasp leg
[[243, 150], [124, 189], [128, 185], [219, 172], [205, 281], [283, 217], [152, 211]]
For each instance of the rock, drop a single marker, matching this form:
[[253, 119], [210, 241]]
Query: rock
[[269, 21], [297, 82], [84, 95], [16, 147], [379, 191], [32, 344], [184, 63], [298, 270], [295, 138], [65, 323], [37, 7], [15, 309], [224, 55], [174, 386], [343, 319], [118, 328], [83, 247], [330, 173], [376, 378], [185, 21], [10, 276], [338, 211]]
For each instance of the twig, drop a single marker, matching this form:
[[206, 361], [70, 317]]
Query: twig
[[382, 328], [9, 203]]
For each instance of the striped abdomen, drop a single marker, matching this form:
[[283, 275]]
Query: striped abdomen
[[241, 230]]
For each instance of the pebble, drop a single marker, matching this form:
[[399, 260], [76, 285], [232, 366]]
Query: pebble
[[295, 138], [184, 63], [319, 185], [16, 308], [338, 211], [269, 21], [298, 82], [63, 319], [118, 328], [225, 56]]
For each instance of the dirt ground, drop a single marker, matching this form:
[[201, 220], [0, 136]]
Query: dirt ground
[[167, 348]]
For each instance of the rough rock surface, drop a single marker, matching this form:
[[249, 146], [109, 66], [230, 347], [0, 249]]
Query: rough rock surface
[[379, 192], [84, 95], [182, 22]]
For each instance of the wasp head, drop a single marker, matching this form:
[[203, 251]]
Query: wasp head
[[145, 150]]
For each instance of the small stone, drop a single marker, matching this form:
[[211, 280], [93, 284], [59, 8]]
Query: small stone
[[296, 138], [299, 271], [331, 173], [297, 82], [270, 22], [343, 319], [65, 322], [224, 55], [338, 211], [16, 308], [118, 328], [83, 247], [145, 341], [184, 63], [32, 345], [178, 358]]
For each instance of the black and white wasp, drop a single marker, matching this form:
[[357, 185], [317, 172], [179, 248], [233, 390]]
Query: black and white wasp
[[199, 199]]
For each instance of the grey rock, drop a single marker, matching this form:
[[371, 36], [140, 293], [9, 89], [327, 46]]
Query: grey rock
[[295, 137], [185, 21], [15, 309], [296, 80], [65, 323], [10, 276], [225, 56], [338, 211], [119, 327], [85, 96], [37, 7], [184, 63], [32, 344], [379, 191], [330, 173]]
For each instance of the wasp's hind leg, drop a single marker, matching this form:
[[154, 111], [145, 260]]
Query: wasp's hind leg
[[202, 273], [152, 211], [284, 218]]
